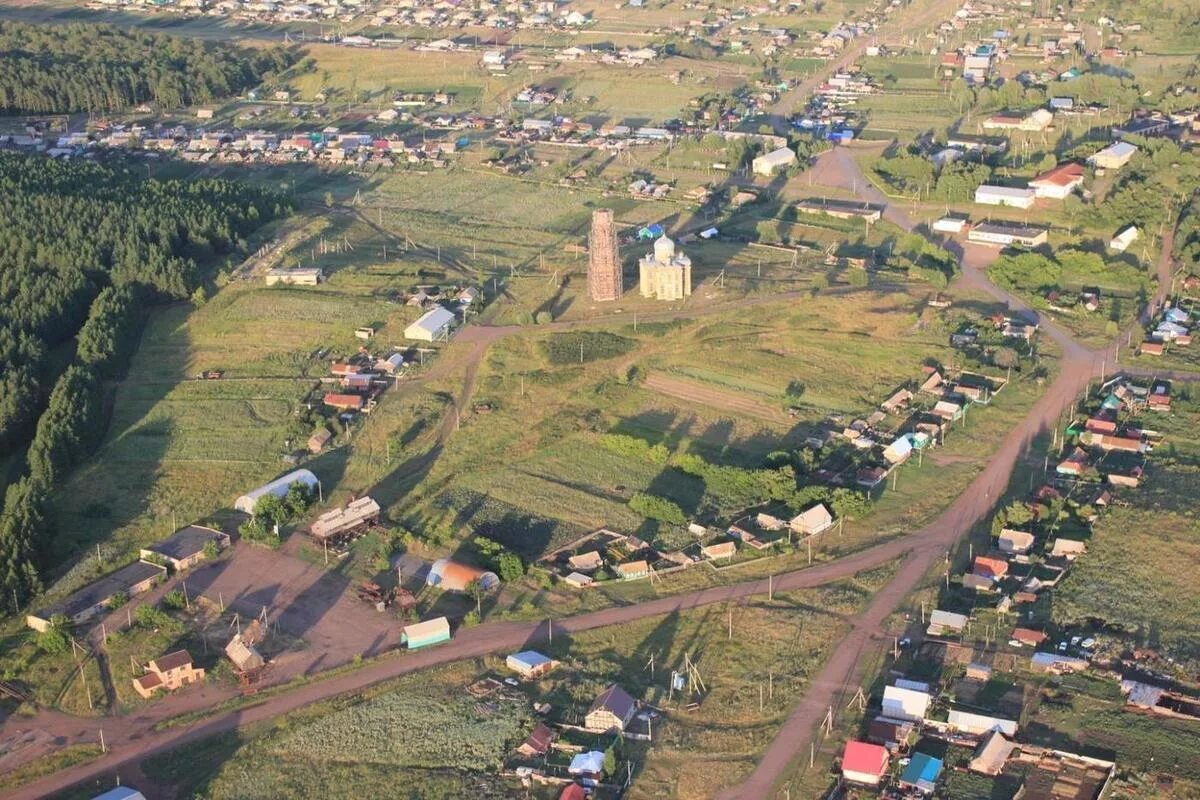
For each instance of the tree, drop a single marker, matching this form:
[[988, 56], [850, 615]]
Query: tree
[[1006, 358], [211, 549], [610, 761], [768, 231], [510, 567], [173, 599], [858, 278], [56, 639], [477, 590], [118, 599], [657, 508]]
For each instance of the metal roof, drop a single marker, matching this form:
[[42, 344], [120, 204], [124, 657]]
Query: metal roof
[[433, 320]]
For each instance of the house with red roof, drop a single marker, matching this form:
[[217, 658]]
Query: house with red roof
[[864, 763], [993, 568], [1058, 183]]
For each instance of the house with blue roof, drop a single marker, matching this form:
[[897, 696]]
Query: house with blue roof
[[921, 773]]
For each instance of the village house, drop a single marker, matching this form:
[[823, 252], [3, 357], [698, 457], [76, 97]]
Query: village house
[[864, 763], [812, 521], [725, 550], [611, 711], [586, 562], [992, 754], [632, 570], [921, 774], [1015, 542], [942, 623], [1059, 182], [1114, 156], [530, 664], [905, 703], [991, 568], [185, 547], [167, 673], [537, 743]]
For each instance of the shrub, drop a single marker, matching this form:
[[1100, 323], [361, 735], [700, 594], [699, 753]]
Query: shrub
[[658, 508]]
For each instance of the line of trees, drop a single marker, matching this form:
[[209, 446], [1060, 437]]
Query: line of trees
[[84, 249], [83, 67]]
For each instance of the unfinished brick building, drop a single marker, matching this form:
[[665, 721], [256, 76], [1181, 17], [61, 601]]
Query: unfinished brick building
[[604, 259]]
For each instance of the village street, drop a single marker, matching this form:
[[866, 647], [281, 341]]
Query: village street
[[131, 738]]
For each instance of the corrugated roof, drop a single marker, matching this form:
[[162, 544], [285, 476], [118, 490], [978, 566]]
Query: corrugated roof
[[615, 700], [185, 542]]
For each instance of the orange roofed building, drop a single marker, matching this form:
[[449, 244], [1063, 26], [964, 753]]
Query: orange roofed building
[[167, 673]]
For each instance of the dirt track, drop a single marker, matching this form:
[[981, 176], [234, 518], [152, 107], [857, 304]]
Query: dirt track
[[700, 393]]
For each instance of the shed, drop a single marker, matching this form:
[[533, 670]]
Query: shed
[[864, 763], [578, 580], [432, 326], [245, 656], [423, 634], [339, 521], [185, 547], [121, 793], [93, 599], [1125, 237], [278, 487], [320, 438]]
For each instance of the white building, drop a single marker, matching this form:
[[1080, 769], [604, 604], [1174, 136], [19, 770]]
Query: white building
[[951, 225], [1114, 156], [977, 724], [1007, 235], [907, 704], [768, 163], [813, 521], [432, 326], [665, 274], [1125, 237], [1005, 196]]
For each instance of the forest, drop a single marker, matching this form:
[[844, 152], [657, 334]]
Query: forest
[[84, 249], [61, 69]]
